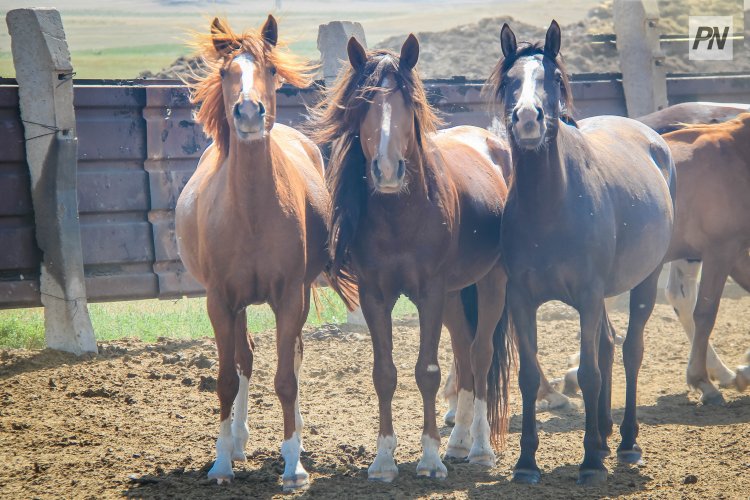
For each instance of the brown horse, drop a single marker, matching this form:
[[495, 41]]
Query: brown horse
[[684, 272], [589, 215], [418, 213], [712, 226], [251, 227]]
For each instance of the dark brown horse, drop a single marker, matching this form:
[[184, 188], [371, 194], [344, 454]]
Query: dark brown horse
[[251, 227], [589, 215], [417, 213]]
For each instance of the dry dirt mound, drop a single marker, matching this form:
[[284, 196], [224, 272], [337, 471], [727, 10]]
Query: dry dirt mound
[[140, 420], [472, 50]]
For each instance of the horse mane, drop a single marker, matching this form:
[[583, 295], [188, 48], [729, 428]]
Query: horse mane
[[494, 85], [204, 84], [335, 120]]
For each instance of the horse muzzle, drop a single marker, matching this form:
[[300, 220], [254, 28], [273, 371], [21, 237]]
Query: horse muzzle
[[528, 127], [249, 120], [388, 178]]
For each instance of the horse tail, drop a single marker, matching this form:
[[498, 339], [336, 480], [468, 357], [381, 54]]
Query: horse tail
[[344, 283], [498, 378]]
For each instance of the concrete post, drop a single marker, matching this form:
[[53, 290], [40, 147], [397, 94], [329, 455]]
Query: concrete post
[[45, 90], [332, 40], [641, 59]]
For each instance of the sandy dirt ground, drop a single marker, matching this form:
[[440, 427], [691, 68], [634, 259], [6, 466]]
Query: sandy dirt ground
[[140, 420]]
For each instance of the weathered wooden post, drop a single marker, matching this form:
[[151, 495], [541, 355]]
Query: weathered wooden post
[[45, 90], [332, 40], [641, 59]]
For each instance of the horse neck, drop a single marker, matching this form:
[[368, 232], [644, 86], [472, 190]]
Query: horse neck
[[541, 176], [252, 177]]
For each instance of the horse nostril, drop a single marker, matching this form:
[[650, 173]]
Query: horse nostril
[[514, 116], [376, 170], [236, 111], [401, 168], [539, 114], [261, 109]]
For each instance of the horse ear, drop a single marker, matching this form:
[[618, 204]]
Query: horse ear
[[221, 38], [270, 31], [409, 53], [508, 41], [552, 40], [357, 54]]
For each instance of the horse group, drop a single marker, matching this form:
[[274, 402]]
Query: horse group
[[477, 229]]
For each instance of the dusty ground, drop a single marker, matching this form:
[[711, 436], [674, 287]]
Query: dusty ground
[[140, 420]]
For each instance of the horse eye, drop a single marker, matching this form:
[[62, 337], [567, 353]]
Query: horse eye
[[273, 70], [222, 72]]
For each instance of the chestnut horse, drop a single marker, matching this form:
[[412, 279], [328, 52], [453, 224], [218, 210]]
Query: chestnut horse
[[418, 213], [691, 207], [251, 227], [589, 215]]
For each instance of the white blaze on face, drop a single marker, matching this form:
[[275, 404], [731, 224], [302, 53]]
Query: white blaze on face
[[528, 91], [247, 64], [385, 126]]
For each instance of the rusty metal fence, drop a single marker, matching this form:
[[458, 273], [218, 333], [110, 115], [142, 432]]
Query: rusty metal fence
[[138, 146]]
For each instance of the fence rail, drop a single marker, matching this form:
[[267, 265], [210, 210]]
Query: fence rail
[[138, 146]]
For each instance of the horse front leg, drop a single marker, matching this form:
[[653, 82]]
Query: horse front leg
[[523, 314], [223, 321], [243, 357], [291, 311], [591, 311], [427, 372], [377, 309], [455, 320], [741, 275]]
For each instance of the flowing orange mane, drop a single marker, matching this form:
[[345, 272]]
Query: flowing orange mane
[[205, 85]]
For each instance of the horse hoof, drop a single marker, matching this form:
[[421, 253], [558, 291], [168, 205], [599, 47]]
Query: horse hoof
[[526, 476], [633, 456], [295, 482], [456, 453], [712, 399], [742, 380], [383, 474], [592, 477], [450, 418], [223, 473], [485, 459], [433, 471]]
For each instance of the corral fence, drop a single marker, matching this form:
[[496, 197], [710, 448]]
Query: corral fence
[[137, 145]]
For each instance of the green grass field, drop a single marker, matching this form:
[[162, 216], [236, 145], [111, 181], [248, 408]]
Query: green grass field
[[148, 320]]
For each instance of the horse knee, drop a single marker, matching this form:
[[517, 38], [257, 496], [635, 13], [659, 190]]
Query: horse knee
[[286, 388], [428, 377], [227, 385], [385, 377]]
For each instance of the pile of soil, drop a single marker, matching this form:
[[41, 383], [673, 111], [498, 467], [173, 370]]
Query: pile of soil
[[140, 420], [472, 50]]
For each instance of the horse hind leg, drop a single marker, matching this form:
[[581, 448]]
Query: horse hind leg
[[450, 394], [243, 357], [741, 275], [642, 300], [460, 329], [549, 398], [606, 359], [682, 292], [291, 312], [223, 322]]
